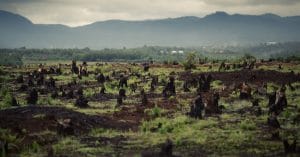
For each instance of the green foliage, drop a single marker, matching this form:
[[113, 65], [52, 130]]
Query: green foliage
[[248, 58], [217, 84], [111, 55], [234, 131], [102, 132], [12, 139], [45, 101], [6, 102], [190, 61], [247, 125], [7, 98], [288, 123], [285, 57], [49, 101], [10, 59], [3, 91], [181, 129], [89, 92], [176, 125], [66, 146], [154, 112], [172, 98], [98, 70], [287, 52], [35, 147]]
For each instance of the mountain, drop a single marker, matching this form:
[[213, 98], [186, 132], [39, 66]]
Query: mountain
[[218, 28]]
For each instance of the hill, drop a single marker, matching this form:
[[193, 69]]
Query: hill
[[218, 28]]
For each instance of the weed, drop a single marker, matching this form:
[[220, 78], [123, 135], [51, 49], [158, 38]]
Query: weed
[[247, 125]]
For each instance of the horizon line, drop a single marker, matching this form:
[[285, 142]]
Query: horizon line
[[148, 19]]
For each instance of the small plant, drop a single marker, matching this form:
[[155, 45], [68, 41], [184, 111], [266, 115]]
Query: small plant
[[286, 114], [7, 101], [11, 139], [247, 125], [35, 147], [102, 132], [3, 91], [67, 145], [190, 61], [172, 98], [188, 66], [46, 101], [98, 70], [216, 84], [165, 125], [154, 112], [32, 150]]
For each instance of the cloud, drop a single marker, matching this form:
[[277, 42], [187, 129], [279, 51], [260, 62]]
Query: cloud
[[80, 12], [251, 2]]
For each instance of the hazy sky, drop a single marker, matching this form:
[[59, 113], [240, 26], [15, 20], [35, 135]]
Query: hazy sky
[[80, 12]]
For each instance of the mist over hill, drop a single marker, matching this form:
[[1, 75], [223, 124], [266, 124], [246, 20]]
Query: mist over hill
[[218, 28]]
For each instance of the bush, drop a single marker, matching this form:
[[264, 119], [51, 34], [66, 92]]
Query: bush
[[190, 61], [7, 100]]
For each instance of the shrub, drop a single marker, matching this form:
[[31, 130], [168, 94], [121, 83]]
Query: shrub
[[190, 61], [7, 100]]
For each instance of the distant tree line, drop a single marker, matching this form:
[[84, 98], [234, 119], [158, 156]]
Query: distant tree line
[[169, 55], [10, 59]]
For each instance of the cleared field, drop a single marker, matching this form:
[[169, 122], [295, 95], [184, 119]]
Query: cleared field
[[92, 123]]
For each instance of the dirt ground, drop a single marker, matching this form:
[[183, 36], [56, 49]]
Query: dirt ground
[[26, 121]]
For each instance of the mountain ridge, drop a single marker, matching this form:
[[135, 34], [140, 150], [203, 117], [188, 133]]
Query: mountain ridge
[[217, 28]]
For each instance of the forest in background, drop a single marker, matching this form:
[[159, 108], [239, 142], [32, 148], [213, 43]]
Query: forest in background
[[289, 51]]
